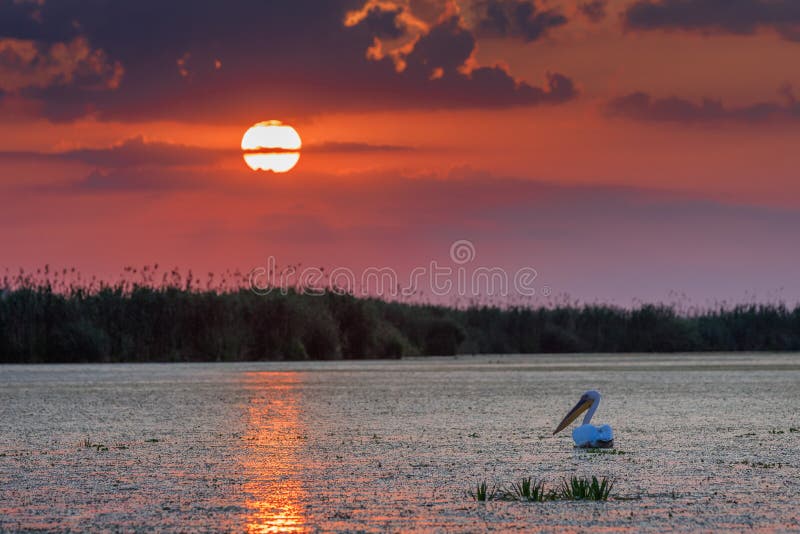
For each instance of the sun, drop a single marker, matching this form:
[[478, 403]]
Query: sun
[[271, 146]]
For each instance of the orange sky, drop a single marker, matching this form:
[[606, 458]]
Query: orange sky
[[117, 149]]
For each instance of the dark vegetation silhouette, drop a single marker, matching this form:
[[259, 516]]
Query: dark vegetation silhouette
[[58, 317]]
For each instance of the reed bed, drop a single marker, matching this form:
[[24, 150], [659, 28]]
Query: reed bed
[[151, 314]]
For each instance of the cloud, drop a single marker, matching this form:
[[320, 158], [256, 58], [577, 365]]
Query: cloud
[[133, 152], [384, 23], [133, 180], [515, 18], [594, 10], [209, 62], [642, 106], [740, 17], [27, 64], [435, 73], [139, 152], [337, 147]]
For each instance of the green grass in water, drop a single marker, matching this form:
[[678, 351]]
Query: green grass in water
[[585, 489], [527, 490], [483, 492]]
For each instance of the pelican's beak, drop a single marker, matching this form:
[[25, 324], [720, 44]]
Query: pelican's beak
[[579, 408]]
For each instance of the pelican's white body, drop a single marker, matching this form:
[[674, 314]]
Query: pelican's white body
[[592, 436], [588, 435]]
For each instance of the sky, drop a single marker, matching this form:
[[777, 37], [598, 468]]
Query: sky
[[624, 151]]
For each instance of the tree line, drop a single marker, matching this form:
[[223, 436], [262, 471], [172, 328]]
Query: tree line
[[147, 324]]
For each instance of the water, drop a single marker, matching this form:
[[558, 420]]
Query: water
[[395, 445]]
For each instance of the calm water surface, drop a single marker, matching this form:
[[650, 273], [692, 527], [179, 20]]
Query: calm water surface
[[710, 442]]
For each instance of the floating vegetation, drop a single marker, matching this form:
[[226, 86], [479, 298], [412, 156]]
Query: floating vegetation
[[87, 443], [776, 431], [612, 452], [99, 447], [628, 498], [763, 465], [483, 492], [151, 440]]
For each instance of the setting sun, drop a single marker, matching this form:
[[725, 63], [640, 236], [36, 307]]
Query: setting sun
[[271, 146]]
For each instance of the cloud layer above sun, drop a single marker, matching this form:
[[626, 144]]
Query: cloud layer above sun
[[203, 62], [198, 61]]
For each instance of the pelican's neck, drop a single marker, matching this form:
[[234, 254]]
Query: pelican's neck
[[595, 396]]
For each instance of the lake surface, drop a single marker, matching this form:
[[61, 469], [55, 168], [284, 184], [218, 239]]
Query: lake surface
[[710, 442]]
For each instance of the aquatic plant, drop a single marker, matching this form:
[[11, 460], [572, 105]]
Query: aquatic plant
[[527, 490], [582, 488], [483, 492], [611, 452]]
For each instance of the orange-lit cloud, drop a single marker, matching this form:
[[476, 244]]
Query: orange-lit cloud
[[26, 64], [379, 57]]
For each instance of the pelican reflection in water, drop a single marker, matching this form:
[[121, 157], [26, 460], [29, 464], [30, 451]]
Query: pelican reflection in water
[[587, 435]]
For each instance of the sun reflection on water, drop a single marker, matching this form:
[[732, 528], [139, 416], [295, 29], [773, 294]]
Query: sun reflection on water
[[274, 436]]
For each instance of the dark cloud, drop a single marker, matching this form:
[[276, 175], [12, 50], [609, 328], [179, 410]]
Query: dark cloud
[[353, 147], [642, 106], [445, 48], [138, 152], [134, 152], [741, 17], [384, 22], [594, 10], [516, 18], [245, 59], [132, 180]]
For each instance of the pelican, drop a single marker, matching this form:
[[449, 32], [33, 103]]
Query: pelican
[[587, 436]]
